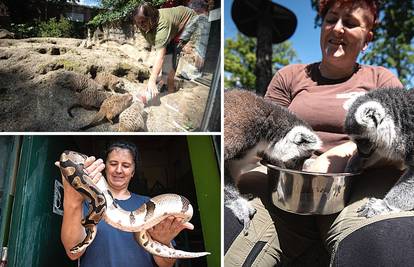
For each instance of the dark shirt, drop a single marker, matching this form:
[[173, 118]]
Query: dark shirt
[[115, 248]]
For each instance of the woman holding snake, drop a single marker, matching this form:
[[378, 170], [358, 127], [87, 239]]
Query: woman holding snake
[[113, 247]]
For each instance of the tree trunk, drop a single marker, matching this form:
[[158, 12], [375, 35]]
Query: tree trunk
[[263, 69], [46, 11]]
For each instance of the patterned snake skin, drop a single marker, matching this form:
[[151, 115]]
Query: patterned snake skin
[[102, 205]]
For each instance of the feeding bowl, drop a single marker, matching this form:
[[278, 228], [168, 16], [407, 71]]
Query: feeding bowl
[[308, 193]]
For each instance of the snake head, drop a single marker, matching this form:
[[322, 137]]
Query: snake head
[[73, 157]]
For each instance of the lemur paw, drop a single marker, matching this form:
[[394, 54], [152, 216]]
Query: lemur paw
[[244, 211], [374, 207]]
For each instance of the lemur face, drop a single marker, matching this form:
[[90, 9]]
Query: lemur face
[[297, 145]]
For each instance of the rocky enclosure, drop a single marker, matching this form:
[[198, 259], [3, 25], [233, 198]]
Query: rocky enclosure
[[39, 81]]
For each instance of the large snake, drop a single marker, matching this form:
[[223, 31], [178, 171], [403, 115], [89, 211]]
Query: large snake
[[102, 205]]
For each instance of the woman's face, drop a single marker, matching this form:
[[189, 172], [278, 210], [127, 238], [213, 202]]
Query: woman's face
[[142, 22], [119, 168], [346, 31]]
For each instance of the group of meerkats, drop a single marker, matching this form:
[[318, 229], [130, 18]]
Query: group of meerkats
[[106, 93]]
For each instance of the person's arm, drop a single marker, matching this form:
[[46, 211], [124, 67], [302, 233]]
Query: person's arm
[[165, 232], [387, 79], [334, 160], [72, 231], [156, 69], [280, 89]]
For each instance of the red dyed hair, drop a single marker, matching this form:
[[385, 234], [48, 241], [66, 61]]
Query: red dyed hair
[[373, 5]]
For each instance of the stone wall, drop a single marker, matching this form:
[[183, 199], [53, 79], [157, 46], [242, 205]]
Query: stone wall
[[129, 34]]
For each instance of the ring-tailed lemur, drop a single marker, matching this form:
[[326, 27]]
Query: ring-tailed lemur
[[254, 126], [381, 123]]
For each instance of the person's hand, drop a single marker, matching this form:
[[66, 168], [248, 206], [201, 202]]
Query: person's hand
[[334, 160], [320, 164], [327, 164], [94, 168], [152, 89], [168, 229]]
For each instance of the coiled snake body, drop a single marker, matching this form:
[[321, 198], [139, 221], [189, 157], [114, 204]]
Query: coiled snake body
[[102, 206]]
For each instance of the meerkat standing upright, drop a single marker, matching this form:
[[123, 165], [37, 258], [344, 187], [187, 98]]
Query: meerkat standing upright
[[254, 126]]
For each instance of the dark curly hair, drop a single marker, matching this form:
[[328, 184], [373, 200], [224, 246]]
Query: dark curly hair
[[373, 5], [133, 150]]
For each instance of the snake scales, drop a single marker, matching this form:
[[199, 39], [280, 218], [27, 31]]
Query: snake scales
[[102, 206]]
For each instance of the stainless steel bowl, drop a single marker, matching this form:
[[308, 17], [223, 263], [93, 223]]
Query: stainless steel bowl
[[308, 193]]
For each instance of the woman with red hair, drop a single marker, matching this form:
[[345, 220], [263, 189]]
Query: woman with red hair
[[320, 94]]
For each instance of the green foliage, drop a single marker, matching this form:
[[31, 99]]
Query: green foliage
[[117, 11], [24, 30], [240, 60], [50, 28], [393, 45], [54, 28]]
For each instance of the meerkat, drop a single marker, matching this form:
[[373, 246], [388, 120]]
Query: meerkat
[[381, 123], [89, 99], [254, 128], [110, 108], [79, 82], [110, 82], [133, 118]]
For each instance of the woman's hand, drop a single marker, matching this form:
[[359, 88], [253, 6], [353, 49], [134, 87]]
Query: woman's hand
[[333, 160], [152, 89], [165, 232], [168, 229], [156, 69], [93, 168]]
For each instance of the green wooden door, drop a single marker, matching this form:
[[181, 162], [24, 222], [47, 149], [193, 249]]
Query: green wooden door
[[9, 162], [35, 229]]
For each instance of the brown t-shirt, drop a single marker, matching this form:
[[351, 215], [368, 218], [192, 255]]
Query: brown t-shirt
[[323, 102]]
